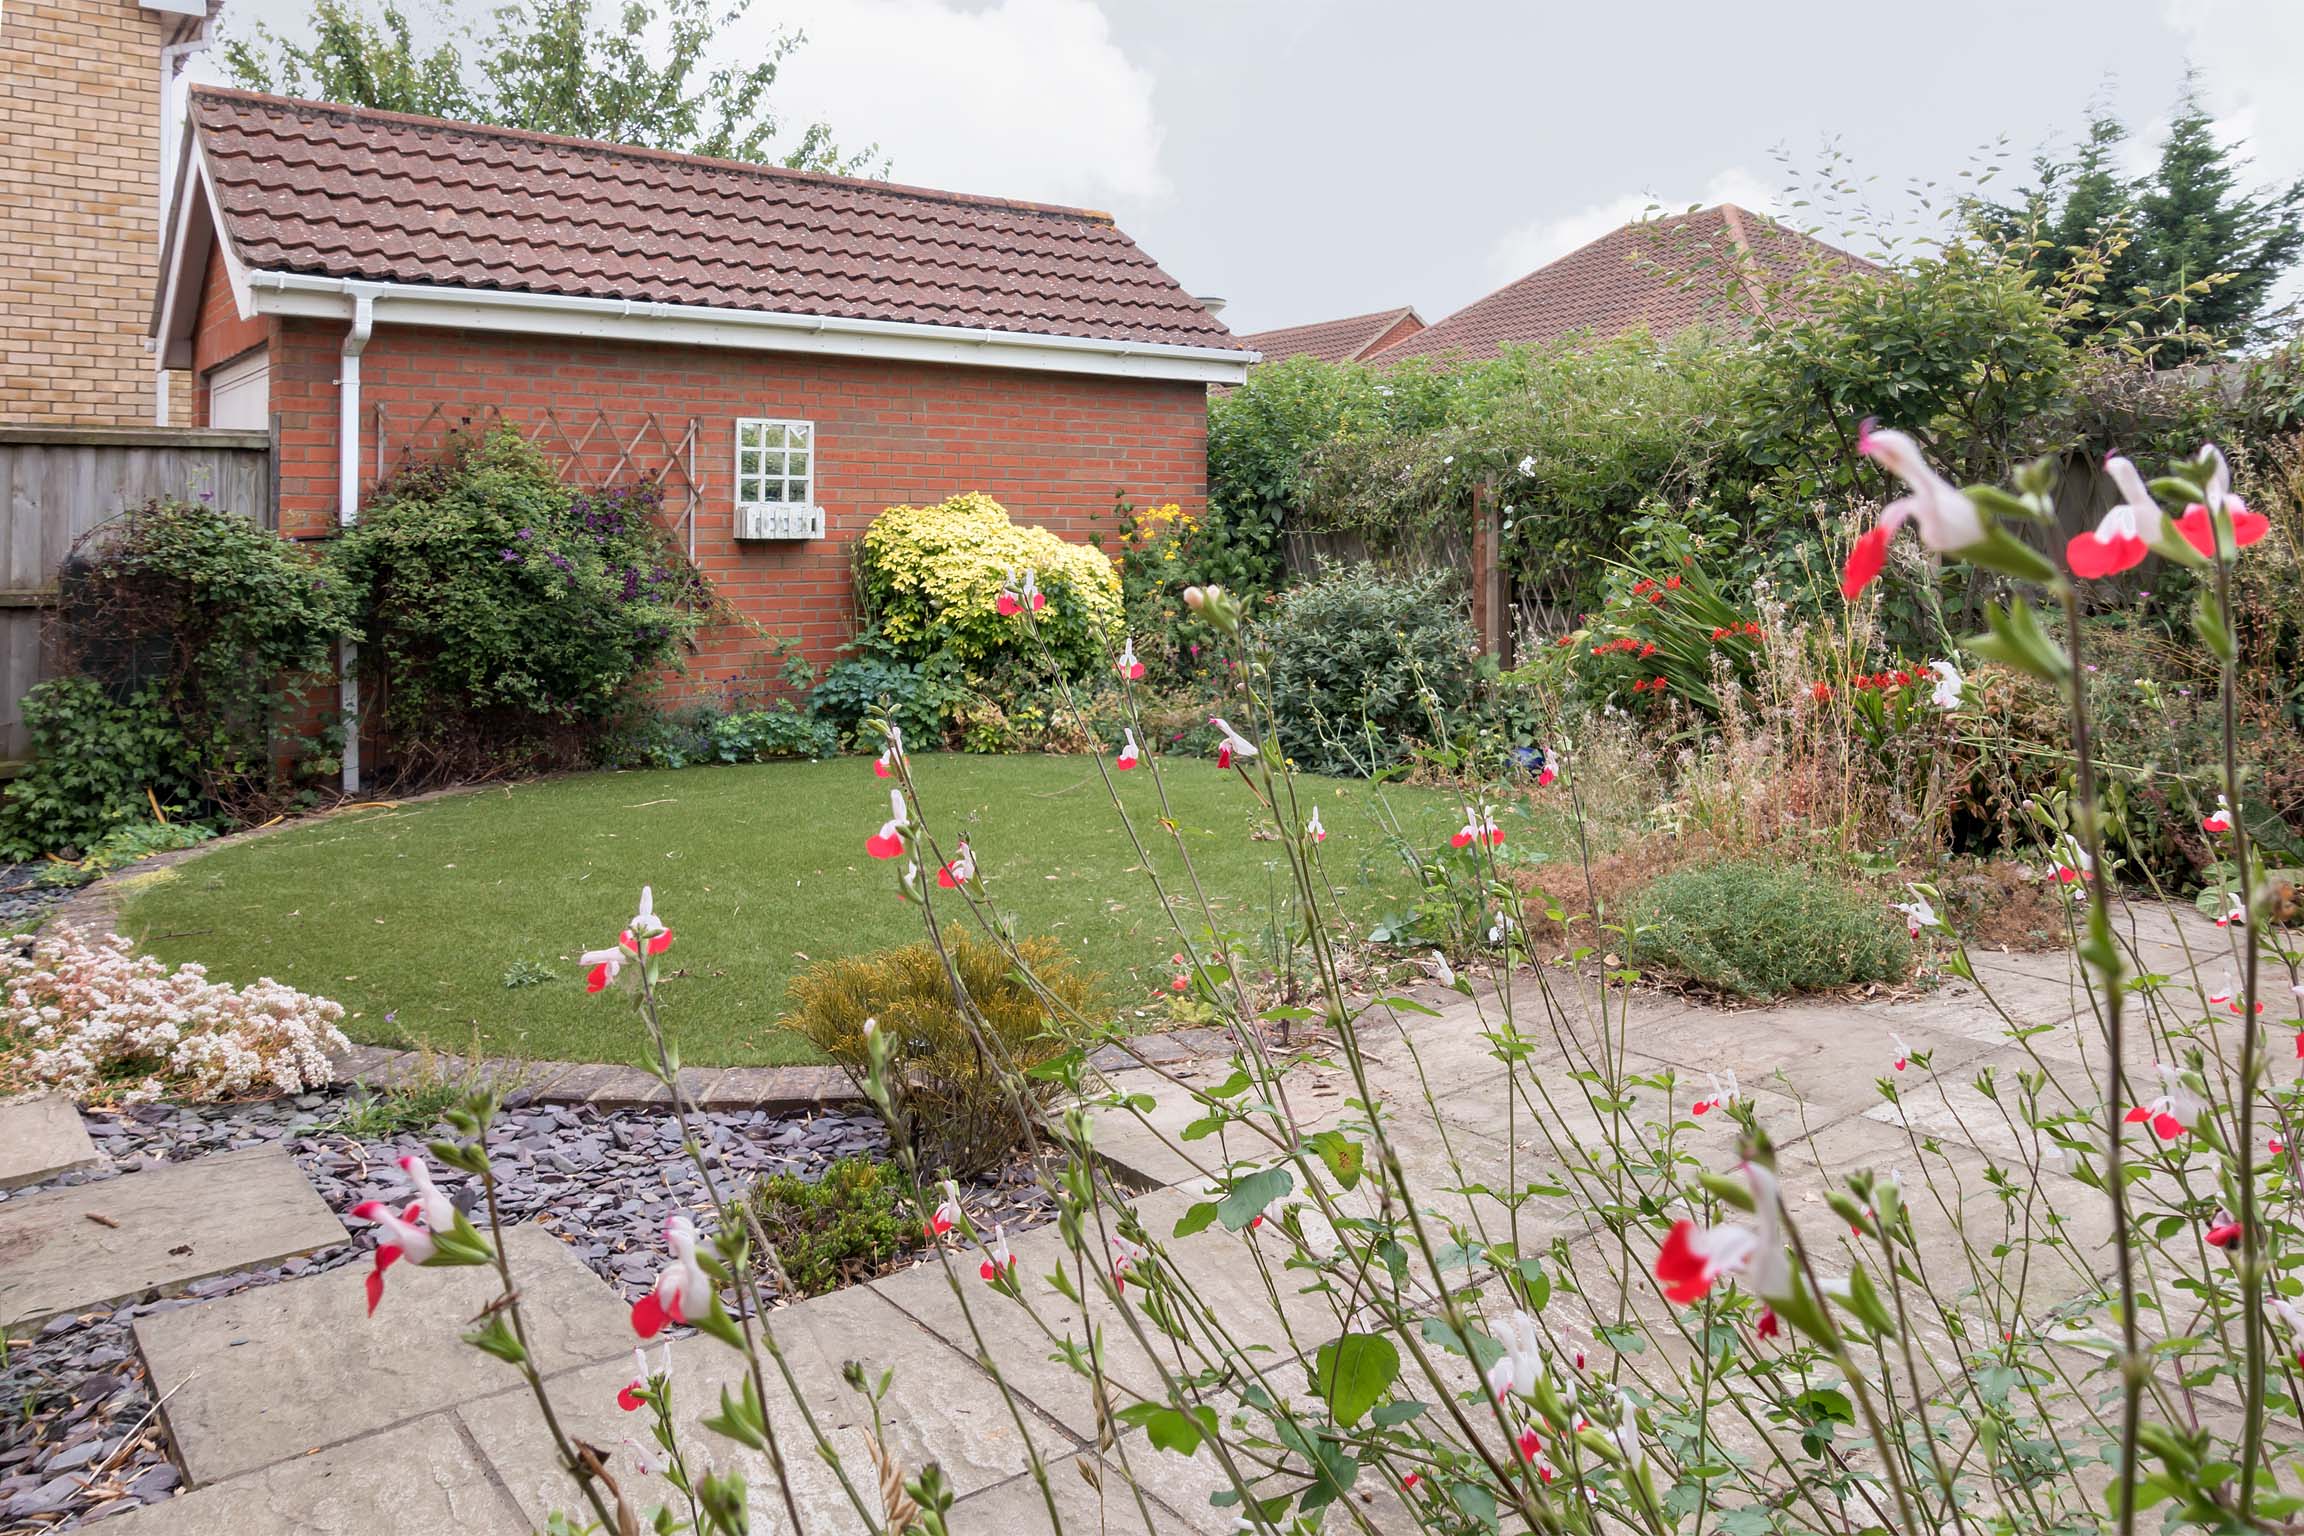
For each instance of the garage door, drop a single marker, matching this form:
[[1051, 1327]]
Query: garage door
[[240, 394]]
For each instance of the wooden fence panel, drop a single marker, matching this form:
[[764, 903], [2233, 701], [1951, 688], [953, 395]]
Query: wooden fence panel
[[57, 483]]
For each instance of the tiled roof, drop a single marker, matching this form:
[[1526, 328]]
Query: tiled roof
[[1714, 266], [1331, 341], [346, 192]]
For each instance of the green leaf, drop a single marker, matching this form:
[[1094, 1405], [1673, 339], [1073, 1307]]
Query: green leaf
[[1400, 1412], [1251, 1193], [1170, 1429], [1355, 1371], [495, 1337], [1196, 1219], [1344, 1157], [2015, 639]]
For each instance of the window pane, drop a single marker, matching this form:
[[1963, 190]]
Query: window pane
[[748, 434], [796, 465], [771, 489], [748, 462], [800, 433]]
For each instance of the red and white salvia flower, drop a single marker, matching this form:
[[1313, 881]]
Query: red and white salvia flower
[[1626, 1433], [648, 1461], [2275, 1145], [2235, 914], [2291, 1319], [1521, 1365], [1016, 596], [2227, 996], [1129, 667], [2125, 535], [1695, 1258], [1233, 746], [2174, 1112], [1313, 829], [1947, 519], [947, 1215], [959, 869], [888, 842], [2225, 1231], [1128, 754], [1531, 1445], [998, 1261], [1479, 827], [2074, 864], [1948, 685], [1126, 1256], [644, 935], [1445, 974], [1723, 1094], [2219, 820], [405, 1235], [629, 1397], [1770, 1325], [1919, 915], [1182, 978], [1409, 1481], [1549, 769], [683, 1292], [2198, 523], [1903, 1052], [884, 766]]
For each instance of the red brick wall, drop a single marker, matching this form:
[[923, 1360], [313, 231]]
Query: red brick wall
[[1402, 328], [1050, 447], [219, 335]]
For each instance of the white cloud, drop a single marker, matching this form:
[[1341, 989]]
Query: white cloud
[[1522, 250], [1024, 98], [2246, 52]]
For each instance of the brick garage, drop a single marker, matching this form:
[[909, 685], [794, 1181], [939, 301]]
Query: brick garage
[[887, 344], [1051, 447]]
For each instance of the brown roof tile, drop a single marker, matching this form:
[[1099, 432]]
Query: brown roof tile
[[1331, 341], [1714, 266], [346, 192]]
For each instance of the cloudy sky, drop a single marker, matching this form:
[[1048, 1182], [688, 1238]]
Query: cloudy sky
[[1306, 159]]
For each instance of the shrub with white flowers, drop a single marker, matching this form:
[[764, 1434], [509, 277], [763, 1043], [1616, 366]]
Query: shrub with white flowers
[[93, 1018]]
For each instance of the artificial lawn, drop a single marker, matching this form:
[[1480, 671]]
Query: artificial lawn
[[413, 916]]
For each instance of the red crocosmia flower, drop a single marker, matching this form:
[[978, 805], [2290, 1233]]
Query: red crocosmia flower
[[1673, 582], [1751, 628], [1903, 678], [1648, 650], [1821, 692], [1947, 519], [1661, 685], [1769, 1327], [2197, 524], [2224, 1232]]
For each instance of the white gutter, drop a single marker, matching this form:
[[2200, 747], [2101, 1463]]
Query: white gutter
[[348, 512], [294, 293]]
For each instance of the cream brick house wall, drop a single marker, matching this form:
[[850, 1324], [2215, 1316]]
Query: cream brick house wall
[[80, 139]]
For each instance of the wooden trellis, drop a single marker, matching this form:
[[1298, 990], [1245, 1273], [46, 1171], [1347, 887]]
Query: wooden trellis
[[590, 448]]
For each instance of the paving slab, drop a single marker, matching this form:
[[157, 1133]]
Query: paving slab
[[158, 1230], [278, 1371], [417, 1480], [40, 1138], [939, 1408]]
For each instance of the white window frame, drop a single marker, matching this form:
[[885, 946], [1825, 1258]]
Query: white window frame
[[751, 482]]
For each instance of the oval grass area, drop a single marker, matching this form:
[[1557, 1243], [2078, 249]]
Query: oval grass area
[[437, 921]]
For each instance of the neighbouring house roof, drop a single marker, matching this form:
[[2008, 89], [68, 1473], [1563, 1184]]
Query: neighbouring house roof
[[1714, 266], [320, 191], [1332, 341]]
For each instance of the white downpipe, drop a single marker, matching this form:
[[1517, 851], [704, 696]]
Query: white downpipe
[[348, 513]]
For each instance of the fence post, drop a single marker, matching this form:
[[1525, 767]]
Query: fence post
[[1490, 613]]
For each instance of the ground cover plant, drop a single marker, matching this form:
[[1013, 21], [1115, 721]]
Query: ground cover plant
[[342, 906], [1658, 1309]]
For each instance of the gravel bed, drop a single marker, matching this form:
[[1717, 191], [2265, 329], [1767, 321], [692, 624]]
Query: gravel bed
[[21, 902], [602, 1180]]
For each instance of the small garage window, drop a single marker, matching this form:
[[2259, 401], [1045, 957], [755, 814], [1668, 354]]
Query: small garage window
[[240, 393], [775, 462]]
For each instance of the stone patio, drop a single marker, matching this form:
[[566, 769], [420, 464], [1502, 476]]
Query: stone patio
[[290, 1410]]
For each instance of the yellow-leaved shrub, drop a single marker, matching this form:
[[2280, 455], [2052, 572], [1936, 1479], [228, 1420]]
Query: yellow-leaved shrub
[[932, 576]]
